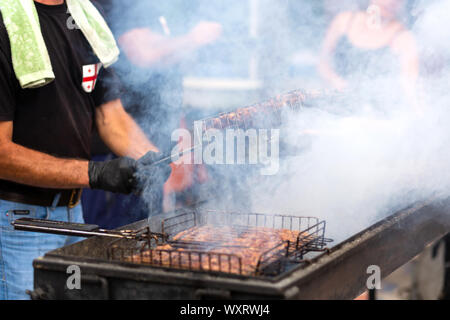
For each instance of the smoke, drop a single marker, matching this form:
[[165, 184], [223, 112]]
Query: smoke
[[359, 169], [364, 165], [366, 156]]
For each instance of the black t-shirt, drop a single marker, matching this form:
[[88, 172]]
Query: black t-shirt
[[56, 119]]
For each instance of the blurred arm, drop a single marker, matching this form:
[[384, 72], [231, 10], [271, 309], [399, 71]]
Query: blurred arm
[[145, 48]]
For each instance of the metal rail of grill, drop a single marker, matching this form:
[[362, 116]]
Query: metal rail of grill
[[189, 260], [186, 253]]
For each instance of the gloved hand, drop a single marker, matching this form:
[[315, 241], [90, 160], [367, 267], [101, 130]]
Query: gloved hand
[[151, 176], [125, 175], [116, 175]]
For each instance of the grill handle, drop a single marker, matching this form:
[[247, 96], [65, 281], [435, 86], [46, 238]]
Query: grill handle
[[61, 228]]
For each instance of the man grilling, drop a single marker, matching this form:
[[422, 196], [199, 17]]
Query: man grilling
[[157, 38], [55, 88]]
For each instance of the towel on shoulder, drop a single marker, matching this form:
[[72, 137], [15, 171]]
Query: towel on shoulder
[[30, 58]]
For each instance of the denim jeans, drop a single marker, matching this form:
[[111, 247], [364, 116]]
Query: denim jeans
[[18, 249]]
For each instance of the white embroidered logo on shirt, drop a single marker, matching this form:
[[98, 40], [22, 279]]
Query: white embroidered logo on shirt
[[90, 74]]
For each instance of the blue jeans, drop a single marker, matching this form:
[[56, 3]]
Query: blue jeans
[[18, 249]]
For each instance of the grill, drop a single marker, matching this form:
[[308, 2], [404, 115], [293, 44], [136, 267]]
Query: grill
[[248, 244], [336, 273]]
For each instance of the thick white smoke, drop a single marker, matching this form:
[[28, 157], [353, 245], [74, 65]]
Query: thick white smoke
[[361, 167], [358, 169]]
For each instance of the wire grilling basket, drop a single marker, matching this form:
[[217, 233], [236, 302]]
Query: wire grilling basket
[[246, 244]]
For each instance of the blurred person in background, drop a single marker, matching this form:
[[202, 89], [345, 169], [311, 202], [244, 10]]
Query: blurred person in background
[[332, 7], [373, 54], [155, 39]]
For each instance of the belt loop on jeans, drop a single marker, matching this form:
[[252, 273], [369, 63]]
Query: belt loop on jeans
[[75, 198], [55, 201]]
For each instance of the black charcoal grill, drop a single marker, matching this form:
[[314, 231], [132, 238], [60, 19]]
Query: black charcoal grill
[[337, 273]]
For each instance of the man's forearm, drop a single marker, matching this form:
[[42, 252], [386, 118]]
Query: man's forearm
[[26, 166], [120, 132]]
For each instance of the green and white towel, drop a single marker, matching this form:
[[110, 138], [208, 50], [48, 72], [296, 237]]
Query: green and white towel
[[30, 58]]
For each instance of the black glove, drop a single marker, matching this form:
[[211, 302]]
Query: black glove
[[115, 175], [151, 173]]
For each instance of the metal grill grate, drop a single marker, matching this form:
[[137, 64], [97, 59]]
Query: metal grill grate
[[221, 242]]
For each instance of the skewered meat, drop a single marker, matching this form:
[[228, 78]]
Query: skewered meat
[[259, 113]]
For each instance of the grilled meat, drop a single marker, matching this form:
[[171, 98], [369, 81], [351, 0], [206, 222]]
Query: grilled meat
[[231, 249]]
